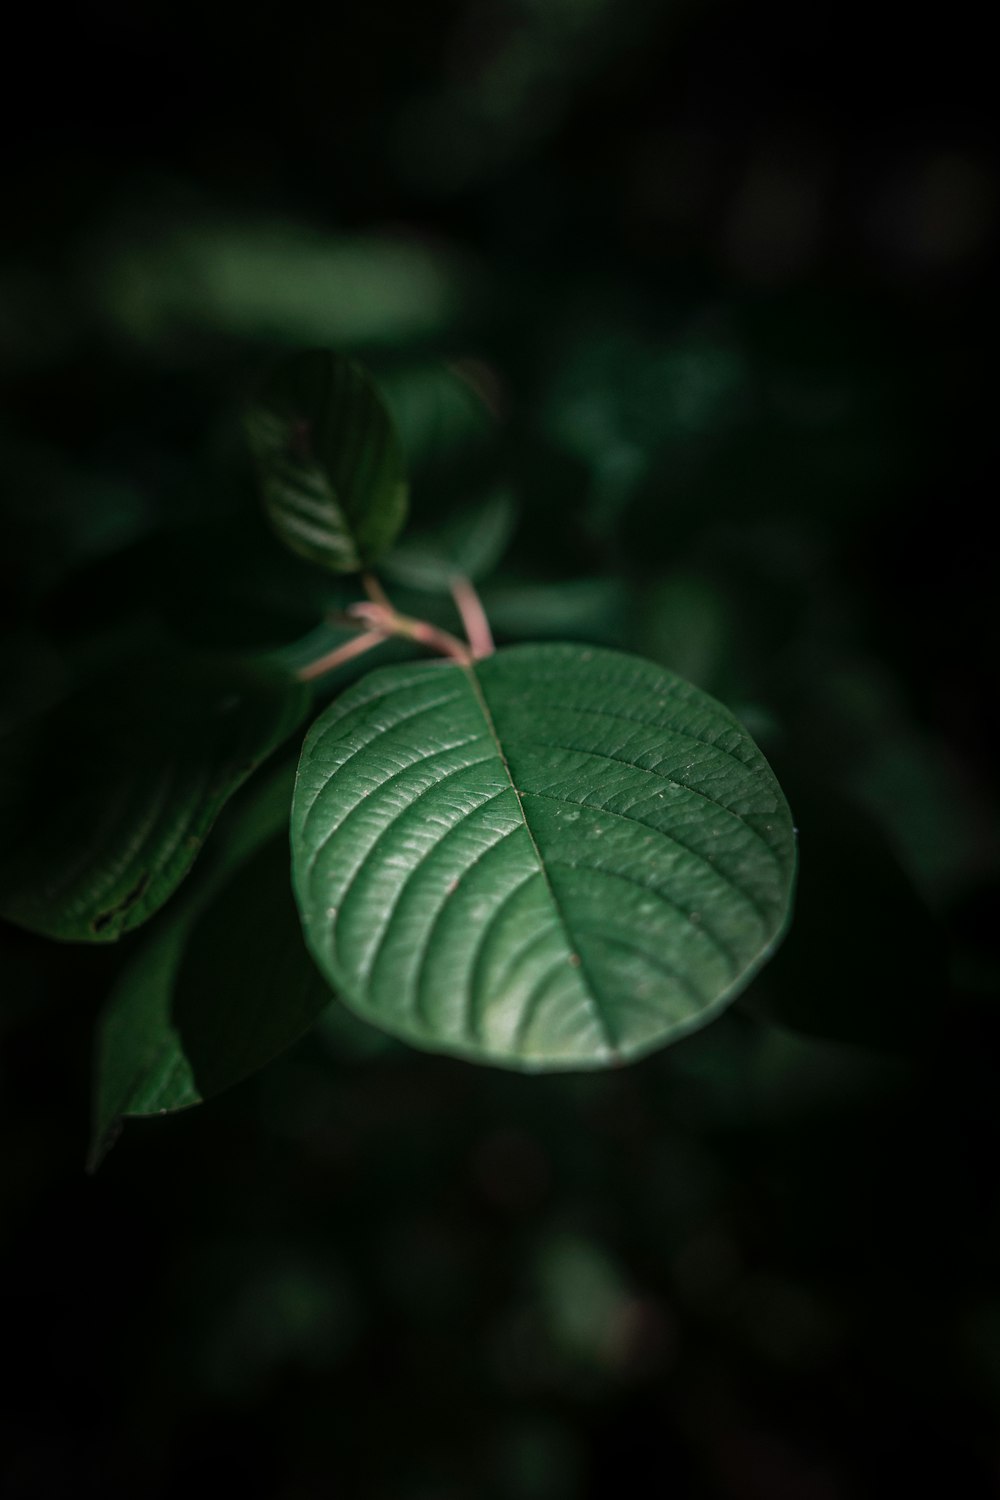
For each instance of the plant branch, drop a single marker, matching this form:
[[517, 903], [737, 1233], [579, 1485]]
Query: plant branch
[[474, 621], [379, 620], [390, 622], [375, 591], [336, 658]]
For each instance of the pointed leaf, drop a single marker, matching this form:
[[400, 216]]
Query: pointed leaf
[[329, 461], [106, 799], [559, 857]]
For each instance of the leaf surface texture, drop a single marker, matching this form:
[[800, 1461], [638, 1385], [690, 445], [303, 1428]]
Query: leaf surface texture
[[559, 857]]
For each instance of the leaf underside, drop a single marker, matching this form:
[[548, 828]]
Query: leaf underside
[[329, 461], [556, 858]]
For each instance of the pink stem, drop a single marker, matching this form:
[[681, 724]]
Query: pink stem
[[390, 622], [375, 591], [336, 658], [474, 621]]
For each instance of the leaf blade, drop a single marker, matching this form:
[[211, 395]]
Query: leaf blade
[[329, 461], [221, 987], [145, 761], [566, 856]]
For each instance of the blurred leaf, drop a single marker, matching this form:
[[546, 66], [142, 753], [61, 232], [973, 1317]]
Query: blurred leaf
[[644, 416], [797, 1078], [945, 828], [447, 430], [584, 1295], [557, 858], [107, 798], [222, 987], [686, 624], [329, 461], [271, 281], [467, 545], [585, 609], [247, 988], [881, 981]]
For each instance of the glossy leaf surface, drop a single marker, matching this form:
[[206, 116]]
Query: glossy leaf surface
[[560, 857], [106, 799], [330, 463]]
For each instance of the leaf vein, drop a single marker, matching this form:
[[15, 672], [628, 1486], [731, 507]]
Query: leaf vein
[[720, 874], [610, 1039], [719, 943], [370, 964], [660, 776]]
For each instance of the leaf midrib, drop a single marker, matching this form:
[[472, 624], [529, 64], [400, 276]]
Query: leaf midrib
[[590, 988]]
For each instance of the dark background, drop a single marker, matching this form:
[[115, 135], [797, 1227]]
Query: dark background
[[725, 269]]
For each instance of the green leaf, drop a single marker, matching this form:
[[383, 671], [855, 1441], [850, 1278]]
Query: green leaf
[[106, 799], [447, 427], [181, 281], [466, 545], [586, 609], [330, 463], [556, 858], [247, 988], [220, 989]]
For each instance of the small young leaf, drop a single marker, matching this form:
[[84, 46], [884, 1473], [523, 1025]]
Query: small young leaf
[[559, 857], [106, 799], [330, 463]]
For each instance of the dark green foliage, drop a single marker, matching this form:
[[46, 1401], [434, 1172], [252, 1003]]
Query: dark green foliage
[[107, 798], [681, 314], [331, 469], [220, 986], [556, 857]]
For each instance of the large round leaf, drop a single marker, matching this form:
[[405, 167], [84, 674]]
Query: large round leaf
[[558, 857], [330, 463]]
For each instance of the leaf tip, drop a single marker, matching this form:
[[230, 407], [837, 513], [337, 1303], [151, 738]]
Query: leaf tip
[[102, 1143]]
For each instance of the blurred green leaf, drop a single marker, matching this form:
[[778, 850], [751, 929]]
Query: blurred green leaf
[[107, 798], [270, 281], [447, 429], [222, 987], [329, 461], [557, 858], [468, 544], [584, 1296], [585, 609], [684, 621], [882, 979], [246, 987]]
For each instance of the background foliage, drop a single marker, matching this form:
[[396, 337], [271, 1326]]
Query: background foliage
[[721, 275]]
